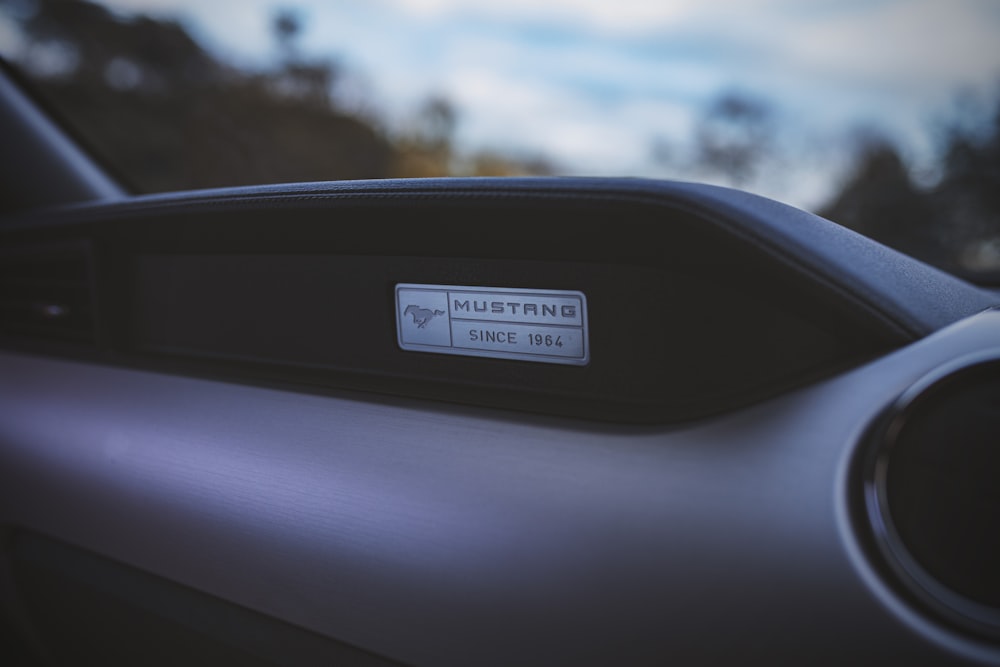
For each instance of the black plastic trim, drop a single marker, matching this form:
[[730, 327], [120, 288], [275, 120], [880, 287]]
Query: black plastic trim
[[881, 439]]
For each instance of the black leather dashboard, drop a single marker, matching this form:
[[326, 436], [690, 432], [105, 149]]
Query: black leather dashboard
[[696, 497]]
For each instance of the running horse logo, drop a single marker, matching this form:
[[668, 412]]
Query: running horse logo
[[421, 316]]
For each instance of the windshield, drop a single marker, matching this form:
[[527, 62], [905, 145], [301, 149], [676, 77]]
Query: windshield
[[882, 115]]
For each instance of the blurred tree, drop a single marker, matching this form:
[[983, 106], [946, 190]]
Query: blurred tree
[[425, 147], [161, 54], [287, 27], [168, 115], [436, 121], [492, 163], [880, 201], [309, 81], [954, 224], [733, 136], [731, 140], [970, 193]]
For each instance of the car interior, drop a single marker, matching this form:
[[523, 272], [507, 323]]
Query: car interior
[[480, 421]]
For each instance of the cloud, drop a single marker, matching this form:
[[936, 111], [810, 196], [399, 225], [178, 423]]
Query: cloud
[[577, 135], [622, 17], [918, 44]]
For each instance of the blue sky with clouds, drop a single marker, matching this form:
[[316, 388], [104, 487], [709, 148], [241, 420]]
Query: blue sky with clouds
[[596, 84]]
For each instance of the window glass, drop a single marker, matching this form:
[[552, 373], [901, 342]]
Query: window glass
[[882, 115]]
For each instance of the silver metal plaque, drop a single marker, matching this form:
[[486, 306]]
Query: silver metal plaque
[[549, 326]]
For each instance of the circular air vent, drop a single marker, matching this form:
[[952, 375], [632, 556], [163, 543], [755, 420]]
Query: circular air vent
[[932, 490]]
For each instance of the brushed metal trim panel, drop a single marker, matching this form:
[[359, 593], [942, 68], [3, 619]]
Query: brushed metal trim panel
[[473, 321]]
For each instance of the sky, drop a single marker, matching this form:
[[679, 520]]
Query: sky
[[606, 86]]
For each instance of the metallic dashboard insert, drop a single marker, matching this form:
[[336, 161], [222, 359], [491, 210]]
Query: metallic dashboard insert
[[548, 326]]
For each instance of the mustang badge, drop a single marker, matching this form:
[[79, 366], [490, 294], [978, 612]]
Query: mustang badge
[[421, 316], [516, 323]]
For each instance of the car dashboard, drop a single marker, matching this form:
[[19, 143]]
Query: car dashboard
[[776, 443]]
